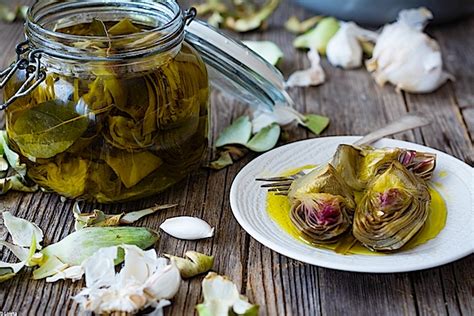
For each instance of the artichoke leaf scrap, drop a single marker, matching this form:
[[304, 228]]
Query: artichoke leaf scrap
[[194, 264]]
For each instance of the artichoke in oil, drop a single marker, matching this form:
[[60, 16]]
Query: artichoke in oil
[[392, 210], [358, 165], [322, 205]]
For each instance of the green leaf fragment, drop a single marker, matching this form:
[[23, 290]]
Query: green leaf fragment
[[51, 266], [124, 27], [6, 274], [12, 157], [22, 231], [253, 21], [223, 161], [80, 245], [238, 132], [267, 50], [266, 139], [196, 263], [316, 123], [318, 38], [294, 25]]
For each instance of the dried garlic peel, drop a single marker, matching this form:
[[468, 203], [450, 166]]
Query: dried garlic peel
[[221, 298], [312, 76], [22, 231], [187, 228], [266, 49], [145, 280], [195, 263]]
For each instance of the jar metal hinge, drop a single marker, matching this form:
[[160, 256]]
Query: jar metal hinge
[[28, 60]]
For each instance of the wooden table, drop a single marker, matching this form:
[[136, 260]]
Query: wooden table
[[280, 285]]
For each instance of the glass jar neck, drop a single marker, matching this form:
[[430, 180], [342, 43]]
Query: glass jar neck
[[163, 20]]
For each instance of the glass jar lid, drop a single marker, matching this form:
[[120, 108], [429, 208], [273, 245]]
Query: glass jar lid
[[236, 70]]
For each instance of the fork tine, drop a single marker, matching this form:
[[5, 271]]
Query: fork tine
[[282, 193], [278, 189], [274, 179], [277, 184]]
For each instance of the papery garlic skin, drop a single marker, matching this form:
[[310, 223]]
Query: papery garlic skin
[[344, 49], [187, 228], [313, 76], [407, 57], [281, 114], [145, 280]]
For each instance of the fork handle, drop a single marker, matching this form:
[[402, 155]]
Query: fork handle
[[402, 124]]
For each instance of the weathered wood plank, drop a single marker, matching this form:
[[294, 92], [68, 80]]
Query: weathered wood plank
[[457, 45]]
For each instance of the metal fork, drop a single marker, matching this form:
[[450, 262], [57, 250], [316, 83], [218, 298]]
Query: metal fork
[[281, 185]]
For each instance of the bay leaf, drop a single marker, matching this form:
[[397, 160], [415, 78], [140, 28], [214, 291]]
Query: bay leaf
[[48, 129]]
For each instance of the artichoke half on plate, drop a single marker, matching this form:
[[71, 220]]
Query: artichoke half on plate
[[322, 205], [357, 165], [392, 210]]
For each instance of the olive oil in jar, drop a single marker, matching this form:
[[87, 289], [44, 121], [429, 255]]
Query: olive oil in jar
[[119, 131]]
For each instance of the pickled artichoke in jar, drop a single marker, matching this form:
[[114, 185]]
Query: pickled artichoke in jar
[[108, 129]]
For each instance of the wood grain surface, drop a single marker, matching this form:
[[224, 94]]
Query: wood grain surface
[[280, 285]]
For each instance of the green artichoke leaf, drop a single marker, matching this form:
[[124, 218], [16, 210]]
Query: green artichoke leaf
[[266, 139], [238, 132], [318, 38], [194, 264], [393, 209]]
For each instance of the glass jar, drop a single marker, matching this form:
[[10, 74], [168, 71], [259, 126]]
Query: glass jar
[[108, 102]]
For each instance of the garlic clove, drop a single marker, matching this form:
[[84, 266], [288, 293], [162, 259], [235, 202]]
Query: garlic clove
[[312, 76], [187, 228], [164, 283]]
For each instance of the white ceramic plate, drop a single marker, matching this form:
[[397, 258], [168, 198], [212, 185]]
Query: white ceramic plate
[[456, 240]]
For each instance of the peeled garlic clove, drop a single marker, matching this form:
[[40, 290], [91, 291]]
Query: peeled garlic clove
[[312, 76], [407, 57], [187, 228], [164, 283]]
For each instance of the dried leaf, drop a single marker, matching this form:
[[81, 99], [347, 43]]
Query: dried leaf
[[266, 139], [132, 217], [16, 183], [254, 21], [56, 128], [316, 123], [196, 263], [294, 25], [237, 133], [318, 37], [266, 49], [223, 161]]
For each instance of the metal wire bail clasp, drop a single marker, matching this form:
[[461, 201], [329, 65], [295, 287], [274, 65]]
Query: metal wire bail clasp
[[29, 61], [190, 15]]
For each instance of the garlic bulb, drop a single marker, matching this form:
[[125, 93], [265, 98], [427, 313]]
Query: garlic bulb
[[407, 57], [344, 49], [187, 228]]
